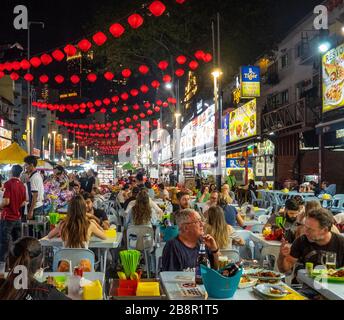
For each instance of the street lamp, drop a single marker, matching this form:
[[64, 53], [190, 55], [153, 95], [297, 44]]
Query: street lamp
[[324, 47], [86, 153], [31, 136], [49, 145], [74, 150], [54, 144], [78, 150]]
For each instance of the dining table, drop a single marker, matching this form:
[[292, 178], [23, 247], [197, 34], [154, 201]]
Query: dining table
[[95, 243], [331, 291]]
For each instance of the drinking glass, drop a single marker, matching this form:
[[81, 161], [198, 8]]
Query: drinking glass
[[329, 259]]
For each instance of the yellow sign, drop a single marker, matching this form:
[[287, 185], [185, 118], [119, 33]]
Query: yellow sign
[[243, 122], [250, 82], [333, 79], [68, 95]]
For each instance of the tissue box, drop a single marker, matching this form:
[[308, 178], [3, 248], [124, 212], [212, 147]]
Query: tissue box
[[93, 291], [110, 233]]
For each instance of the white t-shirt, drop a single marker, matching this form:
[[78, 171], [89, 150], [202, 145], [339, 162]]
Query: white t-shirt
[[36, 183]]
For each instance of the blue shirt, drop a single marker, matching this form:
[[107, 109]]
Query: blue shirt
[[230, 215]]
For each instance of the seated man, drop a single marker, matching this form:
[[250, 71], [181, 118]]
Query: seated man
[[183, 203], [318, 239], [181, 253], [289, 214], [213, 201], [97, 214]]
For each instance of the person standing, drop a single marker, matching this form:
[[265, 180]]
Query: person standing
[[91, 181], [35, 188], [14, 198], [231, 181]]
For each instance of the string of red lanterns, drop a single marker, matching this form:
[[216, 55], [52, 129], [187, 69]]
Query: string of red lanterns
[[135, 20]]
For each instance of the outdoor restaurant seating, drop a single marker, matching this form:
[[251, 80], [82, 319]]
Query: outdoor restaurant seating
[[73, 255]]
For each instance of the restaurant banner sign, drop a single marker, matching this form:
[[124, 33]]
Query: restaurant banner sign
[[250, 82], [333, 79], [225, 126], [243, 122]]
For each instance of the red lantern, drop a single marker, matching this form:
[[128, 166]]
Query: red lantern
[[134, 92], [115, 99], [155, 84], [106, 101], [135, 117], [59, 79], [167, 78], [114, 110], [98, 103], [125, 109], [121, 122], [70, 50], [35, 62], [46, 59], [135, 21], [193, 65], [144, 89], [199, 55], [99, 38], [159, 102], [143, 69], [44, 78], [103, 110], [180, 72], [58, 55], [163, 65], [109, 76], [83, 105], [16, 65], [75, 79], [207, 58], [90, 104], [136, 107], [181, 59], [124, 96], [25, 65], [180, 1], [28, 77], [8, 66], [165, 104], [82, 111], [142, 115], [116, 30], [2, 66], [91, 77], [131, 127], [157, 109], [84, 45], [126, 73], [157, 8], [147, 105], [149, 112], [115, 123], [128, 120]]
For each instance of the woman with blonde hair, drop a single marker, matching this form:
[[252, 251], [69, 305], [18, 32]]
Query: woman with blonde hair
[[223, 233], [77, 230]]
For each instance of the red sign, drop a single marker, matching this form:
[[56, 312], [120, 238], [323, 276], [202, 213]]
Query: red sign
[[69, 152]]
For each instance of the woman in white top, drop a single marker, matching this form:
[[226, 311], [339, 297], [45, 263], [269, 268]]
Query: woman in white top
[[77, 230], [142, 212]]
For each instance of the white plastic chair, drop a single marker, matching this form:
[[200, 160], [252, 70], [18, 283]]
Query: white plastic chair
[[233, 255], [257, 228], [270, 251], [249, 244], [159, 248]]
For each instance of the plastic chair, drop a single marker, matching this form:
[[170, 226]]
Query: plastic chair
[[258, 202], [233, 255], [257, 228], [308, 199], [159, 248], [249, 244], [270, 251], [338, 205], [331, 189], [263, 219], [74, 255], [259, 213], [114, 217], [269, 211]]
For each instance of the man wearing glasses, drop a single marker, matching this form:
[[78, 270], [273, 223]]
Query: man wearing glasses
[[181, 253], [311, 247]]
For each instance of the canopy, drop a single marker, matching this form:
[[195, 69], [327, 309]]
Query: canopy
[[13, 154], [44, 165]]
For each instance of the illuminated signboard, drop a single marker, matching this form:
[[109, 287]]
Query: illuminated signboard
[[68, 95], [243, 122], [250, 82], [225, 126], [333, 79]]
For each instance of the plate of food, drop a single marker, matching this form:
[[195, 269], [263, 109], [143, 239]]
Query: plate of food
[[265, 275], [329, 275], [271, 290], [247, 282]]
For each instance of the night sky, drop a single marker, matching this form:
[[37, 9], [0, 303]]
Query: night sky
[[65, 19]]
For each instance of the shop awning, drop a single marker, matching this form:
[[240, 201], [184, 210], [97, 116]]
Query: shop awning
[[14, 154], [330, 126]]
